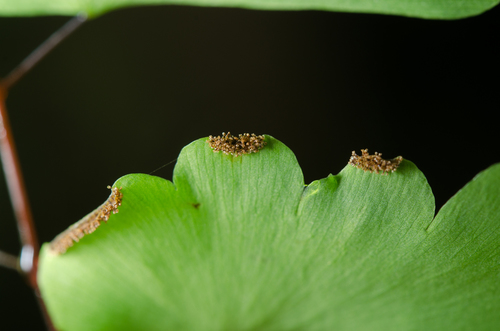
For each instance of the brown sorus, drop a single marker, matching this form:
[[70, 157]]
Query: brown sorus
[[374, 163], [88, 224], [245, 143]]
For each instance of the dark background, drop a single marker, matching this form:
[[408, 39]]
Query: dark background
[[128, 90]]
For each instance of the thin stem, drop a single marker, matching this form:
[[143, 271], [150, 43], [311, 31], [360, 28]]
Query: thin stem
[[28, 261], [17, 191], [19, 198], [41, 51], [9, 261]]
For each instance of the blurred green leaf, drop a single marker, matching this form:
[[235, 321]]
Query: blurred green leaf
[[239, 243], [432, 9]]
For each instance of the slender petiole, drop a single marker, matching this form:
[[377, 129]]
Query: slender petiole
[[17, 191], [41, 51], [28, 260], [9, 261]]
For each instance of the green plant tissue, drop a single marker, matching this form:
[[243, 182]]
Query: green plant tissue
[[240, 243], [430, 9]]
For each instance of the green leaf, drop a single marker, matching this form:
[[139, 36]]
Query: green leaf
[[433, 9], [239, 243]]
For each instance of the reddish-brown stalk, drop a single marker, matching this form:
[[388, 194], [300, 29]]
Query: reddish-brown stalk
[[28, 260], [20, 203]]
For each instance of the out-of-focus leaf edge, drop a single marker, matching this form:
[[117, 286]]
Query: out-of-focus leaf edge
[[445, 10]]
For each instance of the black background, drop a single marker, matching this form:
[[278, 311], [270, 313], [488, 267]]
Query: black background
[[128, 90]]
